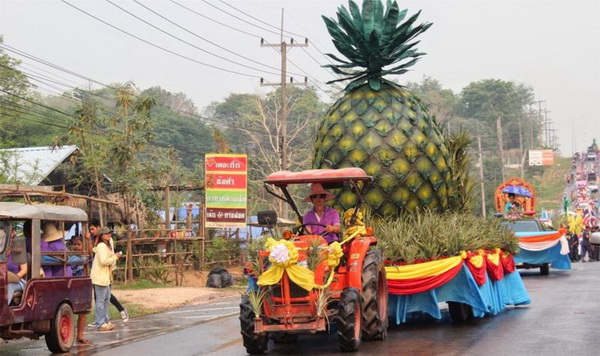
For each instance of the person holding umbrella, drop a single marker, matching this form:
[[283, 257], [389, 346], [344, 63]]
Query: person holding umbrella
[[511, 206]]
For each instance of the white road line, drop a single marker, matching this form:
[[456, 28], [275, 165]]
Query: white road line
[[200, 310]]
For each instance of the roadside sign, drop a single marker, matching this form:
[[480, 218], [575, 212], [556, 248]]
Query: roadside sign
[[541, 157], [226, 190]]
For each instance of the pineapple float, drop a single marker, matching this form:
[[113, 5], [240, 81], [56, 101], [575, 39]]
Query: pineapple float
[[377, 125]]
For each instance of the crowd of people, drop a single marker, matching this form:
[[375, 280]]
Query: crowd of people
[[98, 241]]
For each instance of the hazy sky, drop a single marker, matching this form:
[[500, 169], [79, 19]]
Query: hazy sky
[[553, 46]]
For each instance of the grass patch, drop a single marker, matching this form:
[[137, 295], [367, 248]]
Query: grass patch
[[141, 284]]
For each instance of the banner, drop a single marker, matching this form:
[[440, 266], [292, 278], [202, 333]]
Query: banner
[[226, 190], [541, 157]]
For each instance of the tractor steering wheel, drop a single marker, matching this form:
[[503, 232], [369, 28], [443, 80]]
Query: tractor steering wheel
[[302, 230]]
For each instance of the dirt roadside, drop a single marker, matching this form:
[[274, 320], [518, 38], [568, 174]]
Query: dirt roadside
[[192, 292]]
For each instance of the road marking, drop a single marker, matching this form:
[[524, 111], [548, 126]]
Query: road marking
[[200, 310]]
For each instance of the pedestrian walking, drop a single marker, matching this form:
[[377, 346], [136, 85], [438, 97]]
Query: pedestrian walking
[[102, 268], [573, 240], [585, 246], [94, 236]]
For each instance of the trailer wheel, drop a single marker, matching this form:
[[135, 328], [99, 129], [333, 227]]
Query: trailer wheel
[[545, 269], [460, 312], [374, 297], [61, 336], [349, 320], [255, 344]]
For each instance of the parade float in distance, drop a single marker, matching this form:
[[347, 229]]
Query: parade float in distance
[[409, 187], [539, 245]]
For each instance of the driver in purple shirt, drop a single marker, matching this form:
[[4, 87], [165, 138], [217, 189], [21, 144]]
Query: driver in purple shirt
[[322, 214]]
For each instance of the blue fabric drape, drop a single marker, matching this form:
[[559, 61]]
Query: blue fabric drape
[[489, 299], [551, 255]]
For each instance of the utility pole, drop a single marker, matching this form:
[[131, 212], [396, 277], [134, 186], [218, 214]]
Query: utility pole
[[283, 48], [481, 177], [539, 115], [521, 148]]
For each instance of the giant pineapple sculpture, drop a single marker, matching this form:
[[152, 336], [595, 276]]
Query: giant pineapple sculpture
[[378, 125]]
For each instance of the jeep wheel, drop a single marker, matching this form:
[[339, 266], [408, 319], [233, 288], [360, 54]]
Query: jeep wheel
[[61, 336], [374, 297], [349, 320], [254, 343]]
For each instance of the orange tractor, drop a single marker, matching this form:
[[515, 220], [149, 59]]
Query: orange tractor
[[316, 285]]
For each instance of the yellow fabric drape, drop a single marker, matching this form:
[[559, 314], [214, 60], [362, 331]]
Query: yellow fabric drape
[[494, 257], [426, 269], [302, 276], [476, 260], [357, 229]]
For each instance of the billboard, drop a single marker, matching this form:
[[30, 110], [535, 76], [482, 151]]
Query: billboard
[[226, 190], [541, 157]]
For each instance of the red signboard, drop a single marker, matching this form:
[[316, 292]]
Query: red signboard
[[226, 186]]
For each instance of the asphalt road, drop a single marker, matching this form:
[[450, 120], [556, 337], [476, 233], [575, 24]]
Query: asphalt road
[[563, 319]]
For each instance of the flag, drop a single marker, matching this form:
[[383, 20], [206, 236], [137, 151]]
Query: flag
[[588, 218]]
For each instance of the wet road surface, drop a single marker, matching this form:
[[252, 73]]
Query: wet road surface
[[563, 319]]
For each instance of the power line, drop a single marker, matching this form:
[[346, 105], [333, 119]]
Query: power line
[[157, 46], [215, 21], [249, 23], [32, 120], [204, 39], [36, 103], [29, 111], [188, 43], [259, 20]]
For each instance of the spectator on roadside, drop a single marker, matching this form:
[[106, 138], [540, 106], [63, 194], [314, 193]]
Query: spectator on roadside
[[102, 268], [585, 246], [95, 237], [573, 245]]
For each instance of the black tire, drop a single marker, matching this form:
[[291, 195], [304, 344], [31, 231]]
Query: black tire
[[283, 338], [349, 320], [460, 312], [255, 344], [61, 336], [374, 297], [545, 269]]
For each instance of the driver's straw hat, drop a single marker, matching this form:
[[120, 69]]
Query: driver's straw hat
[[317, 189]]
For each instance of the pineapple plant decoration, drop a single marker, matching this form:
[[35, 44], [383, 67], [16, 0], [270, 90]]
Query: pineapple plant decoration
[[377, 125]]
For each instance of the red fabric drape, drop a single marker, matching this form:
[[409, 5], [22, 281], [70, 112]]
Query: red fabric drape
[[479, 273], [508, 263], [496, 273], [418, 285]]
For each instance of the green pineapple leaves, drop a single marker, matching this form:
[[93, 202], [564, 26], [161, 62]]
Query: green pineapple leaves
[[371, 40]]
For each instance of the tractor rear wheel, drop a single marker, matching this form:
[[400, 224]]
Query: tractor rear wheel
[[374, 297], [460, 312], [254, 343], [349, 320]]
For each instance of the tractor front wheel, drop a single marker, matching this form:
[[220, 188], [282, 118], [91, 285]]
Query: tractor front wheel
[[374, 297], [349, 320], [254, 343]]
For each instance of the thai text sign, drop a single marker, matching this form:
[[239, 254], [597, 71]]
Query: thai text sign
[[226, 190], [541, 157]]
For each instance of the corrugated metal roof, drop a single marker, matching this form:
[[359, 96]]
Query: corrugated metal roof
[[41, 211], [34, 164]]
